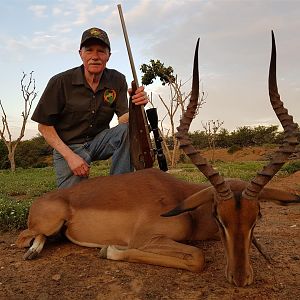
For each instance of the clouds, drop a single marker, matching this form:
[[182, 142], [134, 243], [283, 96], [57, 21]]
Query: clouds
[[38, 10], [234, 55], [234, 47], [52, 27]]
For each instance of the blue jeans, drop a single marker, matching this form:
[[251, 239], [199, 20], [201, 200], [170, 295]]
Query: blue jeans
[[113, 142]]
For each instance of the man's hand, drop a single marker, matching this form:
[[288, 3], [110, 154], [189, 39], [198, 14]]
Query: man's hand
[[78, 165], [140, 97]]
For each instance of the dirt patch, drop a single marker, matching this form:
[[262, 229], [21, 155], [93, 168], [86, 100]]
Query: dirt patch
[[290, 183], [245, 154], [67, 271]]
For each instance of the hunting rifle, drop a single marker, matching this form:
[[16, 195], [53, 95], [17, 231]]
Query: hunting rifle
[[142, 153]]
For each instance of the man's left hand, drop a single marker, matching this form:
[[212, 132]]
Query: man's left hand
[[140, 97]]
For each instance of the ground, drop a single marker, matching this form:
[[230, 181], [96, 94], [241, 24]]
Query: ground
[[67, 271]]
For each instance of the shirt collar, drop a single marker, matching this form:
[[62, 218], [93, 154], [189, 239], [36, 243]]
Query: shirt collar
[[105, 80]]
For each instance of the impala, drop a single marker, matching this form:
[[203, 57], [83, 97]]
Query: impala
[[146, 215]]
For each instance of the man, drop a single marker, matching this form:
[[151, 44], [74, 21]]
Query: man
[[76, 108]]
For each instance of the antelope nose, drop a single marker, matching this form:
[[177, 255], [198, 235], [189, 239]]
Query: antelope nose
[[242, 281]]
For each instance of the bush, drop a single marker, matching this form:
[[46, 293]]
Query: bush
[[234, 148], [40, 165], [33, 153]]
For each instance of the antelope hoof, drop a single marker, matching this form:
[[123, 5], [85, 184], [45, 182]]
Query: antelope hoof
[[30, 254], [103, 252]]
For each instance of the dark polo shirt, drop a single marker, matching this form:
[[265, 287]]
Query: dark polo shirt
[[77, 113]]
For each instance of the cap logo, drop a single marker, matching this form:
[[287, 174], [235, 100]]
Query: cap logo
[[110, 96], [95, 32]]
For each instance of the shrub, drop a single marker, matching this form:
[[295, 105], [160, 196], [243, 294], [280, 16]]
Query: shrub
[[33, 153], [234, 148], [40, 165], [291, 167]]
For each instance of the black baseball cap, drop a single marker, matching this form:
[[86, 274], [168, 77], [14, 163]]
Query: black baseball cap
[[96, 34]]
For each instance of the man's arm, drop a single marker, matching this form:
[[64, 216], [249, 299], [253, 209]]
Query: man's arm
[[77, 164], [124, 118]]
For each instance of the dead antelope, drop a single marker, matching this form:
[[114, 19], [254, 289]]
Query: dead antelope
[[127, 215]]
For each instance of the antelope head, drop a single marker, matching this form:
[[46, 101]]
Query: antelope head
[[236, 206]]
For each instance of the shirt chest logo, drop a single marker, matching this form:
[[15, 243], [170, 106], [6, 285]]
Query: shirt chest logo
[[110, 96]]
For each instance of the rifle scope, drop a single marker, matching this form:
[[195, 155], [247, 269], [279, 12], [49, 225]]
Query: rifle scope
[[153, 120]]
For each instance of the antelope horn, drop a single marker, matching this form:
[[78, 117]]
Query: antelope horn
[[201, 163], [290, 135]]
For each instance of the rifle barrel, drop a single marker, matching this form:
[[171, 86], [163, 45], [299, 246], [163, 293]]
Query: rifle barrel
[[135, 78]]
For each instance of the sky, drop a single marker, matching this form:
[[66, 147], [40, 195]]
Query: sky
[[235, 44]]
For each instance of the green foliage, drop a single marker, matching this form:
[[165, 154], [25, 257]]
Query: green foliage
[[291, 167], [4, 163], [242, 137], [154, 70], [234, 148], [246, 136], [189, 173], [13, 214], [242, 170], [33, 153], [264, 134], [30, 153], [199, 139], [223, 139], [27, 183]]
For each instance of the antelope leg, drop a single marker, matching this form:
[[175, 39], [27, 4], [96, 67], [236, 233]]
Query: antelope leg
[[162, 252], [36, 248]]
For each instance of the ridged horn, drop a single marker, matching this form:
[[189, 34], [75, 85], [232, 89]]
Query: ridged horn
[[199, 161], [290, 135]]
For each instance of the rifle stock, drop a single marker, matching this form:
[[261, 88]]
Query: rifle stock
[[142, 155]]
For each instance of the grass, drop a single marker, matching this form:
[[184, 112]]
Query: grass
[[27, 183], [13, 214], [241, 170], [19, 189], [291, 167]]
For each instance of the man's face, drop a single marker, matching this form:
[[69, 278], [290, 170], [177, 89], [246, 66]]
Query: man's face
[[94, 57]]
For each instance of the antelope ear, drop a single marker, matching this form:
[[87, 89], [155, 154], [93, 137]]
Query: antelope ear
[[279, 197], [192, 202]]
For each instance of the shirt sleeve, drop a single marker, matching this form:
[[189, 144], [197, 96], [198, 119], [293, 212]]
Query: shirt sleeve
[[122, 100], [51, 103]]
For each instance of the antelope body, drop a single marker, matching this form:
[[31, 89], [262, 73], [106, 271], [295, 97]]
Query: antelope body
[[144, 216]]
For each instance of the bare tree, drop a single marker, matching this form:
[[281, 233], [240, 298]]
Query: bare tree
[[174, 108], [29, 94], [211, 129]]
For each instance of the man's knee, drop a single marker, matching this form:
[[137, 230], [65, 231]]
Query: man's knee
[[121, 134], [123, 129]]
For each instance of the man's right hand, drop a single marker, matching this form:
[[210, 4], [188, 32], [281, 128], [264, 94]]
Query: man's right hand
[[78, 165]]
